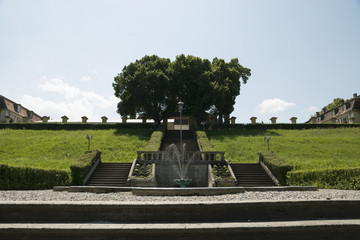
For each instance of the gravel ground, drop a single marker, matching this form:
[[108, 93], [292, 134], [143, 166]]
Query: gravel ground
[[49, 195]]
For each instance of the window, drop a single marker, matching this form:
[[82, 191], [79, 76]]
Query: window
[[335, 111]]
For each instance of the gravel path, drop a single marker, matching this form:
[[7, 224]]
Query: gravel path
[[49, 195]]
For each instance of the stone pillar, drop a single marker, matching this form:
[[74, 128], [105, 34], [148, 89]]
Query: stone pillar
[[45, 119], [293, 120], [232, 119], [104, 119], [253, 120], [123, 119], [144, 119], [84, 119], [64, 119], [273, 120]]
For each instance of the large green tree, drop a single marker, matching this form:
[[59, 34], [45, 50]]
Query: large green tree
[[152, 86], [143, 87]]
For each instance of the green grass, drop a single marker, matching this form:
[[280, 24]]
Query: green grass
[[58, 149], [305, 149]]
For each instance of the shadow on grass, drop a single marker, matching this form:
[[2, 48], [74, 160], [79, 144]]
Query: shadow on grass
[[221, 134], [142, 134]]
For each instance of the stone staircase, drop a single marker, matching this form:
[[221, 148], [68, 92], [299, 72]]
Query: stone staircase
[[110, 174], [251, 175], [273, 220]]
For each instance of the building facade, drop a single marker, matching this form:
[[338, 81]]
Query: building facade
[[11, 112], [346, 112]]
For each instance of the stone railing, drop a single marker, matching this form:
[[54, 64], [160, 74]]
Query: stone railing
[[198, 157]]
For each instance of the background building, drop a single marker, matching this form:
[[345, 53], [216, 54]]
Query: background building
[[11, 112]]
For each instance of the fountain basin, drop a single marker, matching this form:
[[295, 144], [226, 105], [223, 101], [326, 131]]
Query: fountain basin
[[182, 182]]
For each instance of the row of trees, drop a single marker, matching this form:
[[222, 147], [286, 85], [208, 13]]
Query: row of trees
[[153, 86]]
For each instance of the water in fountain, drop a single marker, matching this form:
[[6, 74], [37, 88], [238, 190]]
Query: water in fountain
[[177, 159]]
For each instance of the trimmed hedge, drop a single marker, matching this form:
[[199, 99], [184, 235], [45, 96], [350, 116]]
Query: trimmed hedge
[[348, 178], [286, 126], [77, 126], [26, 178], [278, 166], [155, 141], [82, 166], [204, 142]]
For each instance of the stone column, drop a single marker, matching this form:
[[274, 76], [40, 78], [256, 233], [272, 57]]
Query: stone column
[[104, 119], [273, 120], [253, 120], [84, 119], [45, 119], [293, 120], [123, 119], [232, 119], [64, 119]]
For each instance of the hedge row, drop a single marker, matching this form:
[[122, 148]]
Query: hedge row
[[348, 179], [286, 126], [26, 178], [155, 141], [82, 166], [77, 126], [204, 142], [278, 166]]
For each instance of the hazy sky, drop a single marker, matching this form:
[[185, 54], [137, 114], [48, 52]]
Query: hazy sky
[[60, 57]]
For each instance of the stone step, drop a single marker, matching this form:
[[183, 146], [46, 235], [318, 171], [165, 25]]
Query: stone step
[[110, 174], [313, 229]]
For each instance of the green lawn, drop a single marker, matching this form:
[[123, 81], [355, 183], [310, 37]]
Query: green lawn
[[305, 149], [58, 149]]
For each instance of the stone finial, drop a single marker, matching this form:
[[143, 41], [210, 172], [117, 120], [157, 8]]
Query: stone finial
[[45, 119], [84, 119], [232, 119], [64, 119], [253, 120], [293, 120], [104, 119], [273, 120], [124, 119]]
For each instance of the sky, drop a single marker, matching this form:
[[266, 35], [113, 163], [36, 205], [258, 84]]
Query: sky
[[60, 57]]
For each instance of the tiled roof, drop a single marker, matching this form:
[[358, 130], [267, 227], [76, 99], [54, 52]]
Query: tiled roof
[[6, 103]]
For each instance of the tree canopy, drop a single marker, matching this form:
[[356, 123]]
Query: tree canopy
[[152, 86]]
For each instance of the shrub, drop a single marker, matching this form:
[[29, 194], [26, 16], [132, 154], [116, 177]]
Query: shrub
[[278, 166], [346, 178], [27, 178], [81, 167], [155, 141], [204, 142]]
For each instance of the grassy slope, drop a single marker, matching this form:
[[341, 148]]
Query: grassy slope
[[305, 149], [58, 149]]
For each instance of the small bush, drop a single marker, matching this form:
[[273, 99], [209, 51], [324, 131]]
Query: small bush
[[155, 141], [204, 142], [278, 166], [348, 178], [82, 166], [27, 178]]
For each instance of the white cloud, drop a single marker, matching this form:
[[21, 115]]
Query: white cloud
[[313, 109], [274, 105], [85, 79], [74, 103]]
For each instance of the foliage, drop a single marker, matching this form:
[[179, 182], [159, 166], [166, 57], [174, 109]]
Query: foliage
[[336, 102], [142, 170], [81, 167], [278, 166], [26, 178], [221, 172], [76, 126], [340, 178], [143, 87], [155, 141], [46, 149], [152, 86], [204, 141]]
